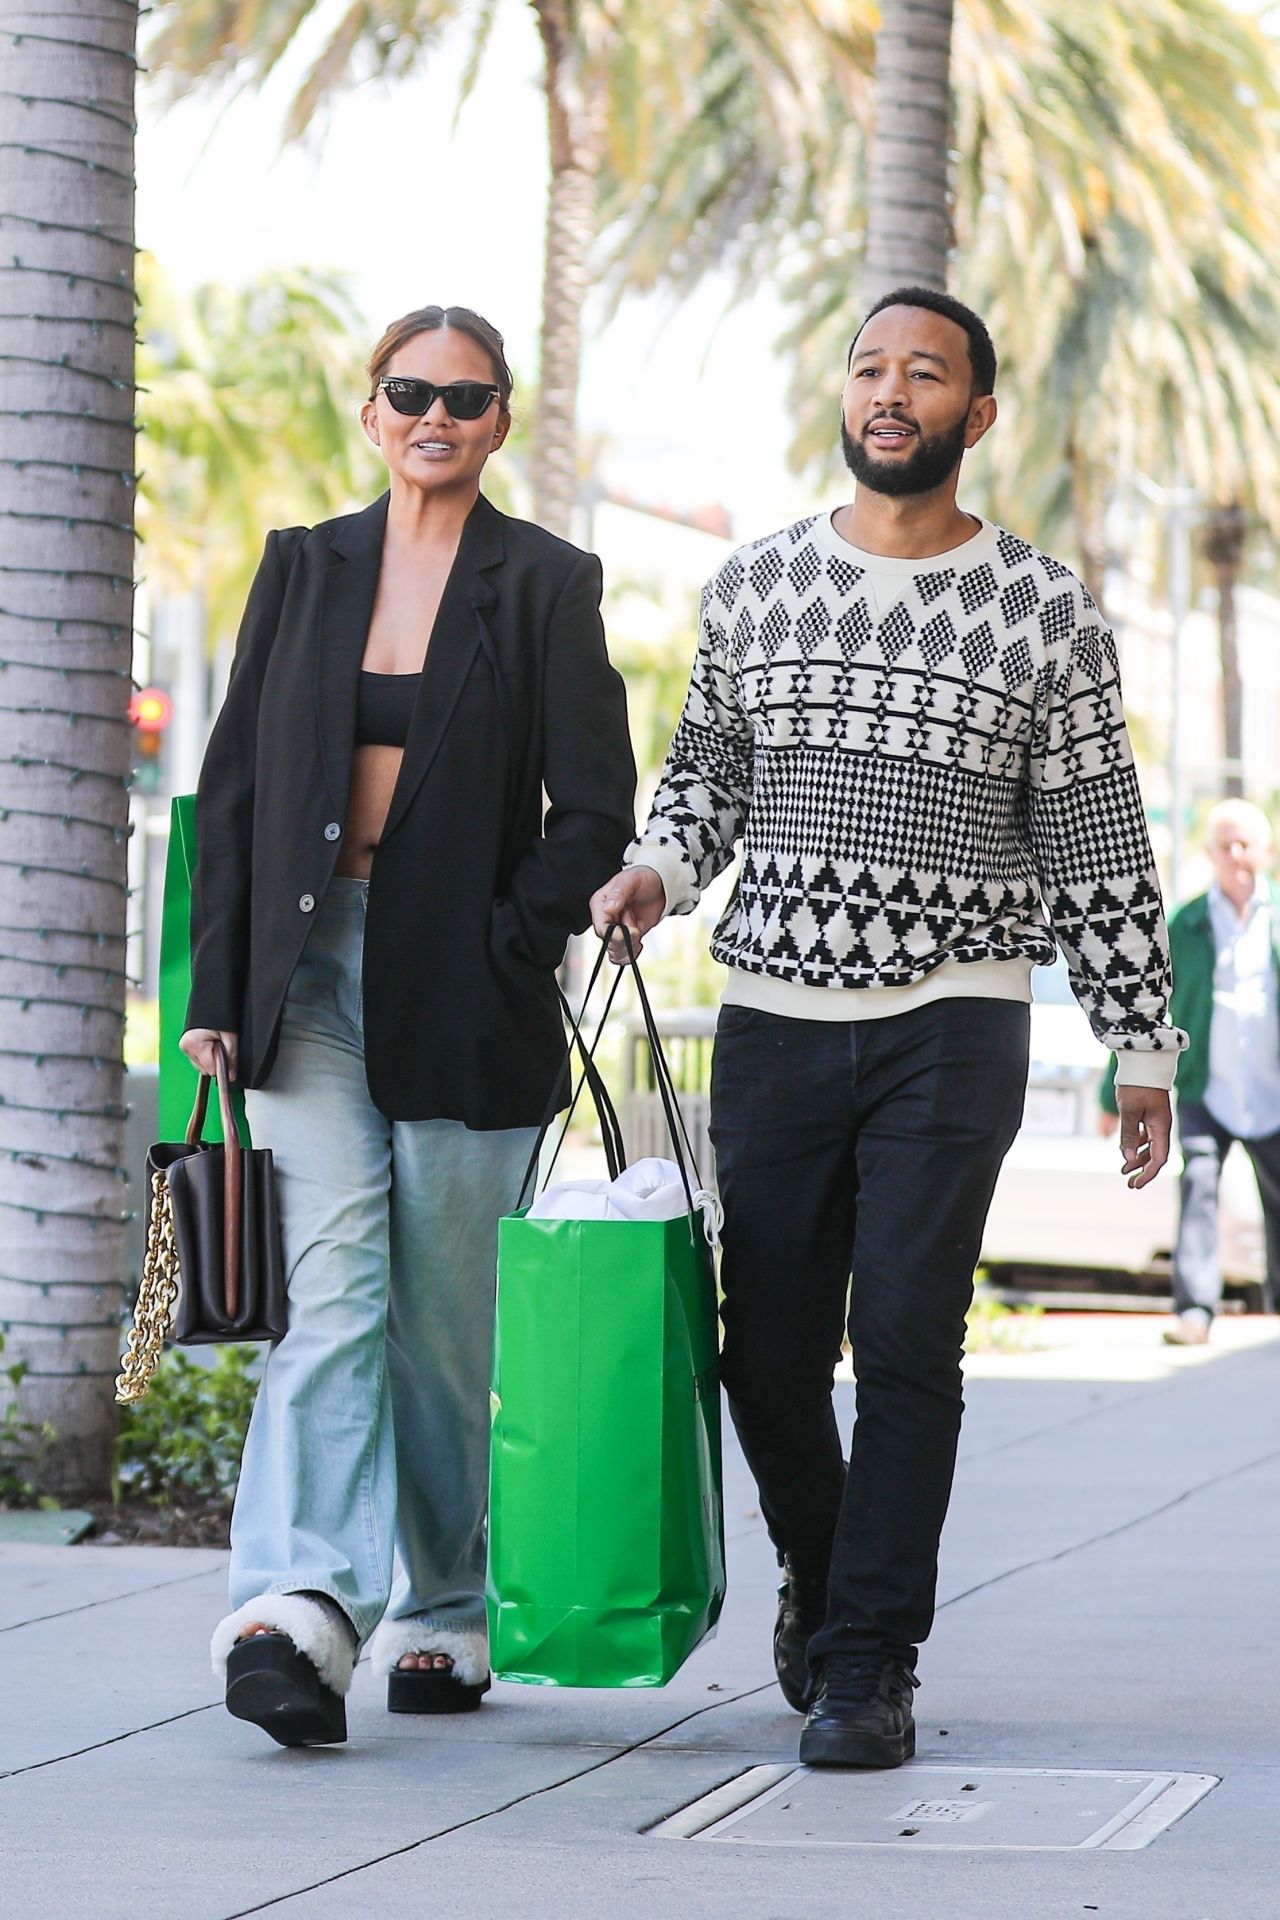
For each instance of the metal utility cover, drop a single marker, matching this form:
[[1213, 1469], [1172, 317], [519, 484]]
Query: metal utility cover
[[931, 1807], [43, 1527]]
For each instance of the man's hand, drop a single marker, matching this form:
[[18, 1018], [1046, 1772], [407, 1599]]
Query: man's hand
[[635, 899], [1146, 1121]]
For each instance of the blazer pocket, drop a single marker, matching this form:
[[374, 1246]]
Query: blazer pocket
[[506, 948]]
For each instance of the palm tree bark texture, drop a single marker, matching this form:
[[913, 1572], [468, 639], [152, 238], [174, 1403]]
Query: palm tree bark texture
[[908, 197], [66, 624], [577, 93]]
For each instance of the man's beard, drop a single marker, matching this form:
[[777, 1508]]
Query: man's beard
[[934, 460]]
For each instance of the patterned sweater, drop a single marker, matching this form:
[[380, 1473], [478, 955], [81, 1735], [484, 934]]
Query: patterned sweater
[[917, 779]]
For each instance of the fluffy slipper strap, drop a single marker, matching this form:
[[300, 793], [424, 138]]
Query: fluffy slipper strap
[[467, 1648], [316, 1630]]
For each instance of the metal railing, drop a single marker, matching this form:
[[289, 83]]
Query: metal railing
[[688, 1037]]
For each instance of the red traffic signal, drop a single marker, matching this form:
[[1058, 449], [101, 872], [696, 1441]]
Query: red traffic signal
[[151, 709]]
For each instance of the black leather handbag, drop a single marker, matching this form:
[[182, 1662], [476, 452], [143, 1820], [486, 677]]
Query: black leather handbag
[[213, 1268]]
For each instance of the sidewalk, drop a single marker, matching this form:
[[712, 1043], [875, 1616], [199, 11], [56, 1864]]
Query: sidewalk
[[1109, 1593]]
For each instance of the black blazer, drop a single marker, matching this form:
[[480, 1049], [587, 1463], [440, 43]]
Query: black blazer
[[472, 894]]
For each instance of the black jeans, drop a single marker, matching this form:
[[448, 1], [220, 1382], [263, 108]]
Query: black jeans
[[872, 1147], [1197, 1260]]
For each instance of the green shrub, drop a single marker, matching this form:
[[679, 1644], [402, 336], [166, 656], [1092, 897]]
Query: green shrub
[[992, 1327], [24, 1444], [183, 1442]]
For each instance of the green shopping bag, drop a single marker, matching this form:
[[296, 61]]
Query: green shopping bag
[[178, 1078], [606, 1537]]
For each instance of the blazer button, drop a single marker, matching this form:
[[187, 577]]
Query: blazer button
[[307, 902], [332, 831]]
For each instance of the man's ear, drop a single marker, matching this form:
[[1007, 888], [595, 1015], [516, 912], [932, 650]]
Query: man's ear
[[982, 417]]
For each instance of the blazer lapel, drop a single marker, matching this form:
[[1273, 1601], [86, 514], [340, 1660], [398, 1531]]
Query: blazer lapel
[[348, 589], [458, 635]]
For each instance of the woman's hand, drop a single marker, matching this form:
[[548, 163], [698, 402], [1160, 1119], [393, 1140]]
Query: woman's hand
[[635, 899], [197, 1043]]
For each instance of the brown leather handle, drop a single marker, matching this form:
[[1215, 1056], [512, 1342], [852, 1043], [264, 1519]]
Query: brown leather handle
[[195, 1125], [233, 1171]]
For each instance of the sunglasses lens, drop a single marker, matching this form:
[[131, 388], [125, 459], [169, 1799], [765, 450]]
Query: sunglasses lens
[[466, 399], [409, 396]]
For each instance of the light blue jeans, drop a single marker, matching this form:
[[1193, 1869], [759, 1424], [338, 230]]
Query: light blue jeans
[[372, 1420]]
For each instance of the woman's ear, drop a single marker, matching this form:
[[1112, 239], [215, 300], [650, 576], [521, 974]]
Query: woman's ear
[[501, 431], [369, 421]]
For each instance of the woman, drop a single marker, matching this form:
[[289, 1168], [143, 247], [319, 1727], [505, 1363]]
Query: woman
[[378, 911]]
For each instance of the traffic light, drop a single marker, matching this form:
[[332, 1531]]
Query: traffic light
[[150, 710]]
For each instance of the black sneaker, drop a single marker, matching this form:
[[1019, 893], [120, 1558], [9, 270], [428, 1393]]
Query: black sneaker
[[802, 1609], [862, 1714]]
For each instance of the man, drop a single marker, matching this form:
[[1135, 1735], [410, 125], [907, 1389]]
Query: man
[[912, 721], [1225, 947]]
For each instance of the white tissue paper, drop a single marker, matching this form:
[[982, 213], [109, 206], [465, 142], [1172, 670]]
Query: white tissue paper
[[649, 1190]]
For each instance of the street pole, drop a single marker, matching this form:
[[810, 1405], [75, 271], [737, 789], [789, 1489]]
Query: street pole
[[1180, 505], [1179, 597]]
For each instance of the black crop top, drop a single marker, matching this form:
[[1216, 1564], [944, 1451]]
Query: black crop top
[[384, 705]]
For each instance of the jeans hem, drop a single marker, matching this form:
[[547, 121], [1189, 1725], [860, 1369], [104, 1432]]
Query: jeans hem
[[861, 1646], [299, 1584], [446, 1619]]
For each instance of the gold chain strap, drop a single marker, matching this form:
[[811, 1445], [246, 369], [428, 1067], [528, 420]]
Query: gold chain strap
[[156, 1296]]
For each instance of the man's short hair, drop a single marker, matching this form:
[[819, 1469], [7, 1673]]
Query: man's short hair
[[982, 354]]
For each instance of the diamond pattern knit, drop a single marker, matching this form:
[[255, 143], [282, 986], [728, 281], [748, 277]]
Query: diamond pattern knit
[[914, 782]]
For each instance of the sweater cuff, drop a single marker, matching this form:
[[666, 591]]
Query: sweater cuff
[[1146, 1069], [672, 868]]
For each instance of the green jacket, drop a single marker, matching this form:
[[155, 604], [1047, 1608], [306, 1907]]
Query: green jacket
[[1192, 958]]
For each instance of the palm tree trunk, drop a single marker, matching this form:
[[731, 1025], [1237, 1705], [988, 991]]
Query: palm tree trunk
[[908, 198], [577, 95], [66, 621], [1224, 545]]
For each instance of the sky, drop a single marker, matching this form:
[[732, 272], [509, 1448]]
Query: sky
[[417, 211]]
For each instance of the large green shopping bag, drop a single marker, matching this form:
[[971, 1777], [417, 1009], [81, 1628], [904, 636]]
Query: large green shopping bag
[[606, 1539], [179, 1080]]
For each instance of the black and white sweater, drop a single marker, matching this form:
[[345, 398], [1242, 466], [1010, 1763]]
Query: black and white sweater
[[921, 759]]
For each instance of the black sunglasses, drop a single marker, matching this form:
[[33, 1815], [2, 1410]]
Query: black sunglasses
[[464, 399]]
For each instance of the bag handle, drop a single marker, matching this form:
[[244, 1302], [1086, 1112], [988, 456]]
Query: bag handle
[[665, 1078], [615, 1151], [610, 1126], [676, 1128], [233, 1171]]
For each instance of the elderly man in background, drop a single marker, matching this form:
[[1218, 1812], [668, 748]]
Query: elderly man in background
[[1225, 951]]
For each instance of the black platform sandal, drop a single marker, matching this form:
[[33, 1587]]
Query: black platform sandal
[[433, 1690], [277, 1688]]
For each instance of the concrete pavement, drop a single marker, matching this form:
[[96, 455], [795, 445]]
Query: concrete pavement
[[1110, 1582]]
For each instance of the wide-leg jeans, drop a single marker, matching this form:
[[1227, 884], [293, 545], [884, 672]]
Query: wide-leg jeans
[[1197, 1256], [372, 1420], [867, 1149]]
